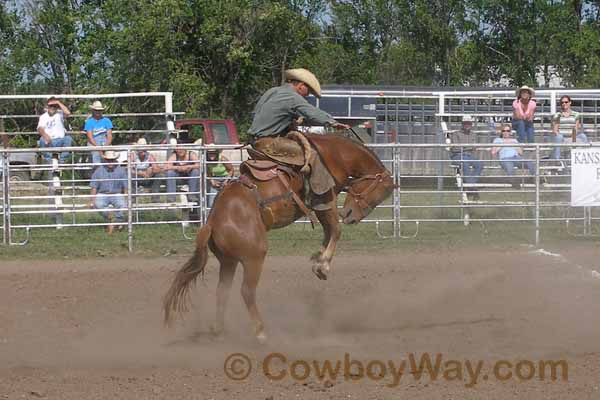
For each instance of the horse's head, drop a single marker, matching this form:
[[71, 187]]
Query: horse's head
[[364, 194]]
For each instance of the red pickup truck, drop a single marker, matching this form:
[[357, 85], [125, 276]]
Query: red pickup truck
[[211, 131]]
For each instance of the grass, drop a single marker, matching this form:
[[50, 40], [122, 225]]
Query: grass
[[300, 239]]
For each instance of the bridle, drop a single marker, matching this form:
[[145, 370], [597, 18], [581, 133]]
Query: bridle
[[359, 197]]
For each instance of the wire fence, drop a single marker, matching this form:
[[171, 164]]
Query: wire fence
[[52, 195]]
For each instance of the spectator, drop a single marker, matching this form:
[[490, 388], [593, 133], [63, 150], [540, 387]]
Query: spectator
[[566, 122], [109, 187], [510, 156], [51, 127], [523, 112], [470, 166], [183, 165], [219, 170], [98, 130], [144, 168]]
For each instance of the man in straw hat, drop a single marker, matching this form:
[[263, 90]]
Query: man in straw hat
[[109, 187], [98, 130], [279, 107], [276, 114]]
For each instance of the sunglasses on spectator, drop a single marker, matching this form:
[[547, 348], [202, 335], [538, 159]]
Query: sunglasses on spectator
[[506, 130], [564, 102]]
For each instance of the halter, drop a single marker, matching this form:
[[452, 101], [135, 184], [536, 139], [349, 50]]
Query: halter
[[359, 197]]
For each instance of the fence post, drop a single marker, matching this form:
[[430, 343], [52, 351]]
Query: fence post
[[396, 169], [202, 189], [5, 199], [129, 204], [537, 194]]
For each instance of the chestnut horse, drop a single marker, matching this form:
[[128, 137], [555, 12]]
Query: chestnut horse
[[236, 232]]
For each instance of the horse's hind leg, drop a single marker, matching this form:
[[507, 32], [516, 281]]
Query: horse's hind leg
[[226, 274], [252, 270]]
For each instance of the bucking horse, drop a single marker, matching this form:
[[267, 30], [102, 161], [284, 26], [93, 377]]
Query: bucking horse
[[268, 196]]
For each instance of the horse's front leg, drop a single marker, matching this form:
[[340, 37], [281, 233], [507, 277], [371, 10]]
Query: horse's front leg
[[316, 256], [331, 227]]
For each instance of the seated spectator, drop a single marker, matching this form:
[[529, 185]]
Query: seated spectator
[[566, 122], [216, 168], [109, 187], [98, 130], [183, 167], [511, 156], [51, 127], [523, 112], [144, 168], [470, 165]]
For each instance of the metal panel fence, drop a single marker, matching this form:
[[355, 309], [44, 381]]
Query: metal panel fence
[[61, 198]]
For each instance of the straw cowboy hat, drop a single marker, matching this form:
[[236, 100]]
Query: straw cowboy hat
[[304, 75], [97, 105], [141, 141], [525, 87], [467, 118], [110, 155]]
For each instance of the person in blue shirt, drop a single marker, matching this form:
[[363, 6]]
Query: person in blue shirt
[[511, 156], [98, 130], [109, 187]]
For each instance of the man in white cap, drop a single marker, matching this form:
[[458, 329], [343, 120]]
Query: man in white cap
[[109, 187], [51, 127], [98, 130], [470, 165]]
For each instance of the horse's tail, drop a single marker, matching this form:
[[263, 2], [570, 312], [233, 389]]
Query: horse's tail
[[176, 299]]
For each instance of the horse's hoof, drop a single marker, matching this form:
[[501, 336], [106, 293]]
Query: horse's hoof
[[319, 272], [262, 338]]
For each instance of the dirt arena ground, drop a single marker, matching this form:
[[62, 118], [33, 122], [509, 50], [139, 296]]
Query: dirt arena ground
[[92, 329]]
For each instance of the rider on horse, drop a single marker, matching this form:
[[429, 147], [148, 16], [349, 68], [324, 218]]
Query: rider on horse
[[276, 115]]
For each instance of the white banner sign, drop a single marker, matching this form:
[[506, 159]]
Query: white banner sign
[[585, 177]]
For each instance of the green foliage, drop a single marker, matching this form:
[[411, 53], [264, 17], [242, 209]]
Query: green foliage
[[219, 56]]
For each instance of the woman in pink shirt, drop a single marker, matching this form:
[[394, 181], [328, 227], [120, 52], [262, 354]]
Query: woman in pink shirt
[[523, 111]]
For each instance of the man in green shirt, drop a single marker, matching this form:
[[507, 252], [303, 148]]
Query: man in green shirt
[[278, 109], [277, 113]]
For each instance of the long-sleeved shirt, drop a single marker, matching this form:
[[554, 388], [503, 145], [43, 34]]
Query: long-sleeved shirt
[[521, 112], [459, 137], [279, 107], [105, 181]]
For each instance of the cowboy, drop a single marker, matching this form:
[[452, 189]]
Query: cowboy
[[279, 107], [98, 130], [277, 112], [109, 187]]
